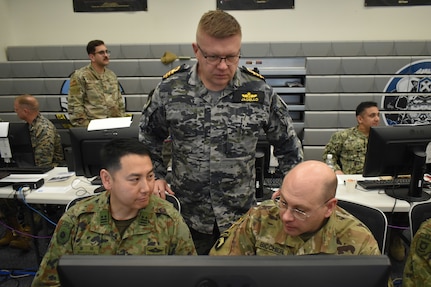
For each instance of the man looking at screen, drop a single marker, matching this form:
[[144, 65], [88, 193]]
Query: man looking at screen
[[124, 220], [94, 91], [48, 151], [304, 219], [214, 112], [348, 147]]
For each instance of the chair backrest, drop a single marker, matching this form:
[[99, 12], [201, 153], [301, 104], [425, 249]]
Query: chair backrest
[[418, 213], [372, 217]]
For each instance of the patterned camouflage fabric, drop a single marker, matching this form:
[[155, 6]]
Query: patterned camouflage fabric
[[417, 271], [260, 232], [46, 142], [348, 148], [87, 228], [94, 96], [214, 137]]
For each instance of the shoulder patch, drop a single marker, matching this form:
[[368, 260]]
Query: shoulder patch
[[174, 70], [251, 72], [63, 233]]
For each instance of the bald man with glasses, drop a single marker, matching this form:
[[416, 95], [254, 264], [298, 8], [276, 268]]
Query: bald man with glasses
[[302, 219], [94, 91]]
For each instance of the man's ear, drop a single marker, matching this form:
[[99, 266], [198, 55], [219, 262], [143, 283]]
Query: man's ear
[[106, 178], [331, 205]]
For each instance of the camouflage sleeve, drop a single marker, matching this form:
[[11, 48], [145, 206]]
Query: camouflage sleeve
[[281, 134], [44, 144], [417, 270], [239, 239], [60, 244], [334, 147], [184, 243], [75, 101], [153, 131]]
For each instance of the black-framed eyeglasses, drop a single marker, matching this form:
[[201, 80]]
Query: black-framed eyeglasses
[[215, 60], [297, 213], [101, 53]]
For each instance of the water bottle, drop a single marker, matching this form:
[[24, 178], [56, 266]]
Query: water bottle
[[329, 161]]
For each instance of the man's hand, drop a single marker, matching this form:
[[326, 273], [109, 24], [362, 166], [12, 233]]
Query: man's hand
[[160, 187]]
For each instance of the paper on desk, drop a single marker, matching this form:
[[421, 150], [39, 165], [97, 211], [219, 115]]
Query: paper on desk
[[109, 123], [4, 129], [23, 177], [53, 189]]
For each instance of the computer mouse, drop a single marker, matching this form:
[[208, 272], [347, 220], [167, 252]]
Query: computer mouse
[[100, 189]]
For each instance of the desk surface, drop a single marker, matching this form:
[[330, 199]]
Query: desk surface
[[63, 192]]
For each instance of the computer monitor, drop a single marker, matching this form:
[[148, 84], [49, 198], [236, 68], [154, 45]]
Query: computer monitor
[[212, 271], [20, 146], [86, 146], [399, 150]]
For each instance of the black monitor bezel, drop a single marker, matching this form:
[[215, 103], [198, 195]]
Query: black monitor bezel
[[20, 145], [329, 270], [80, 136]]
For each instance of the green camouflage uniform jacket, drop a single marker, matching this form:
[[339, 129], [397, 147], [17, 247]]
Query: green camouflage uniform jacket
[[260, 232], [94, 96], [46, 142], [214, 139], [348, 148], [417, 270], [87, 228]]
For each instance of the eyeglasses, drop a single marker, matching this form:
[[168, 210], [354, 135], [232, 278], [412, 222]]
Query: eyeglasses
[[297, 213], [215, 60], [101, 53]]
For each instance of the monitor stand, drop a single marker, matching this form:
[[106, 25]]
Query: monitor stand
[[404, 194]]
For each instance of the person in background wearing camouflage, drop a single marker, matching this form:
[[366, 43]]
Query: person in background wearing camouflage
[[348, 147], [124, 220], [48, 151], [303, 219], [214, 112], [94, 91], [417, 270]]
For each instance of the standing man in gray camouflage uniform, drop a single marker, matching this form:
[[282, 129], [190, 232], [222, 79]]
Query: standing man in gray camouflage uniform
[[125, 220], [348, 147], [94, 91], [48, 151], [214, 112]]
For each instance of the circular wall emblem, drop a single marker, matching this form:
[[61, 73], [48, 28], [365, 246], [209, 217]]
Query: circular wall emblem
[[411, 102]]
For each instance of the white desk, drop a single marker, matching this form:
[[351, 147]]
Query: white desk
[[374, 198], [63, 192], [54, 193]]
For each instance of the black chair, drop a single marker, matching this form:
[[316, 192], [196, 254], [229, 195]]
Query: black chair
[[372, 217], [418, 213]]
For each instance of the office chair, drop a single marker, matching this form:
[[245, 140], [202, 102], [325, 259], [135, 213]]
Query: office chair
[[372, 217], [418, 213]]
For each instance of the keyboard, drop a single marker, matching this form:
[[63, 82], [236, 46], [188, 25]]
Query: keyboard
[[25, 170], [272, 182], [384, 183]]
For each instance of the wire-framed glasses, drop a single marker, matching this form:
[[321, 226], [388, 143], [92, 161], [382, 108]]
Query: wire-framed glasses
[[101, 53], [297, 213], [215, 60]]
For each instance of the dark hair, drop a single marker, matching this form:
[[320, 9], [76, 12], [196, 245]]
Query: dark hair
[[365, 105], [91, 46], [113, 151]]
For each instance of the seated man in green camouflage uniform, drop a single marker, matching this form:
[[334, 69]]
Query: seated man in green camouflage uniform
[[94, 91], [48, 151], [417, 270], [125, 220], [348, 147], [304, 219]]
